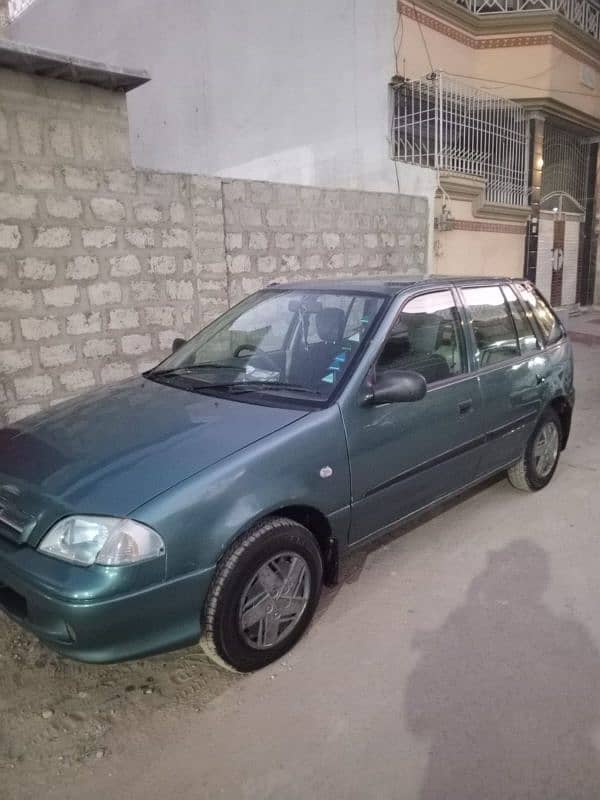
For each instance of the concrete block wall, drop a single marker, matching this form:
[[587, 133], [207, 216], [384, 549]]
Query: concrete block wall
[[95, 283], [280, 232], [51, 122], [102, 265]]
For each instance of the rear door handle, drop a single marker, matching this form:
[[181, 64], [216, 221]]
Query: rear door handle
[[465, 406]]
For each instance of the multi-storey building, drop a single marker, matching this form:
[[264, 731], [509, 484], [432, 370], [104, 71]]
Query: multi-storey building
[[501, 98]]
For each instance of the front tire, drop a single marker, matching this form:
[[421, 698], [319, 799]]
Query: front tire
[[539, 461], [263, 596]]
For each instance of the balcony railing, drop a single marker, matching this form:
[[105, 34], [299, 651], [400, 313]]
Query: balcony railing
[[17, 7], [446, 125], [584, 14]]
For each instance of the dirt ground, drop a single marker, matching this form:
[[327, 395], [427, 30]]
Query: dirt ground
[[55, 713]]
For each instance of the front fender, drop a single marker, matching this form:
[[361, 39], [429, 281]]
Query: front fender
[[199, 517]]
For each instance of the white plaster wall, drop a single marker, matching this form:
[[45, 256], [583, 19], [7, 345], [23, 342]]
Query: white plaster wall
[[569, 287], [543, 277], [269, 90]]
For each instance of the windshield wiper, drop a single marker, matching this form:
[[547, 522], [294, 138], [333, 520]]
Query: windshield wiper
[[236, 387], [191, 368], [249, 386]]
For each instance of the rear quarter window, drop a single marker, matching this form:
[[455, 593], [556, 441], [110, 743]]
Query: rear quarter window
[[527, 339], [548, 323]]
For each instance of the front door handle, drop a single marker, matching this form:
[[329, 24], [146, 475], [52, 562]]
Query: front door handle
[[465, 406], [540, 379]]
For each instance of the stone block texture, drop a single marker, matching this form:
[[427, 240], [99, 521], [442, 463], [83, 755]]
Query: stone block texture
[[98, 261], [280, 233], [102, 265]]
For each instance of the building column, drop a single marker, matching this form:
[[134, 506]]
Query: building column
[[536, 164], [593, 293]]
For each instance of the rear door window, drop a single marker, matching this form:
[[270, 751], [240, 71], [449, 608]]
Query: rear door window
[[528, 342], [545, 317], [493, 328]]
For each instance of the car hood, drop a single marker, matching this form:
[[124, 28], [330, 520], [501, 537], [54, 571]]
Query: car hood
[[111, 450]]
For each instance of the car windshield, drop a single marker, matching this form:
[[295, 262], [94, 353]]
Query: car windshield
[[294, 342]]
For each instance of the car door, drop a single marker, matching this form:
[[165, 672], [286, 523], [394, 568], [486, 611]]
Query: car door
[[511, 369], [405, 455]]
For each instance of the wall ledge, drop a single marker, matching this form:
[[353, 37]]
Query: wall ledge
[[471, 188], [34, 61]]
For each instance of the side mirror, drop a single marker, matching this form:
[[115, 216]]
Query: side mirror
[[398, 386], [177, 343]]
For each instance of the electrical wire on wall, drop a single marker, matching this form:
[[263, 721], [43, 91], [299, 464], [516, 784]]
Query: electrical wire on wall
[[491, 82], [423, 39], [439, 187], [398, 37], [397, 175], [397, 42]]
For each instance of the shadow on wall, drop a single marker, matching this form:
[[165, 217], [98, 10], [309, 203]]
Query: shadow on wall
[[508, 693]]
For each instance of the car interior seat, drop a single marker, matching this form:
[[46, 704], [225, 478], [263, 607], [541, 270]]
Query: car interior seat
[[312, 363], [412, 345]]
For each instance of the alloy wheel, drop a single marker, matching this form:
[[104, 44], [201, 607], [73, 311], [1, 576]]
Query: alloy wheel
[[274, 600], [545, 449]]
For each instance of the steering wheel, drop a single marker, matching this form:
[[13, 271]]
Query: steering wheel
[[252, 348]]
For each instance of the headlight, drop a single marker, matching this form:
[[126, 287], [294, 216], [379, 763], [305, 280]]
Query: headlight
[[101, 540]]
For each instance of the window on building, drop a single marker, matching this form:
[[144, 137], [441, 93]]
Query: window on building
[[565, 175], [438, 122], [492, 324], [426, 337], [528, 342]]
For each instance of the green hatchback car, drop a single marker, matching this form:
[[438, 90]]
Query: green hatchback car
[[210, 498]]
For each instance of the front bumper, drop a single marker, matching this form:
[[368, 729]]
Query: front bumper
[[139, 622]]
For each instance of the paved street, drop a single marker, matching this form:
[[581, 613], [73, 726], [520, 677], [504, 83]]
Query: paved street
[[458, 661]]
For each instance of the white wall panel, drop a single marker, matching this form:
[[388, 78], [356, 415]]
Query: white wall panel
[[569, 288], [544, 259]]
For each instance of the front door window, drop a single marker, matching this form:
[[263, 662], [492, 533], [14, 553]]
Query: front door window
[[426, 337]]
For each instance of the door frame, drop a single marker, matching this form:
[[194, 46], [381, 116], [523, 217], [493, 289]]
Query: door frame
[[515, 361], [356, 389]]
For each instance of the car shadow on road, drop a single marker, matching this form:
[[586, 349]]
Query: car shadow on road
[[506, 692]]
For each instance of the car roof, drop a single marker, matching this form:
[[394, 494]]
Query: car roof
[[385, 285]]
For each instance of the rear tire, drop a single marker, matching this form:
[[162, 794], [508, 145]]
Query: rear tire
[[539, 461], [263, 596]]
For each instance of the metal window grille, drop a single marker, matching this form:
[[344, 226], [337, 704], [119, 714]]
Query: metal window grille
[[566, 164], [584, 14], [440, 123], [17, 7]]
